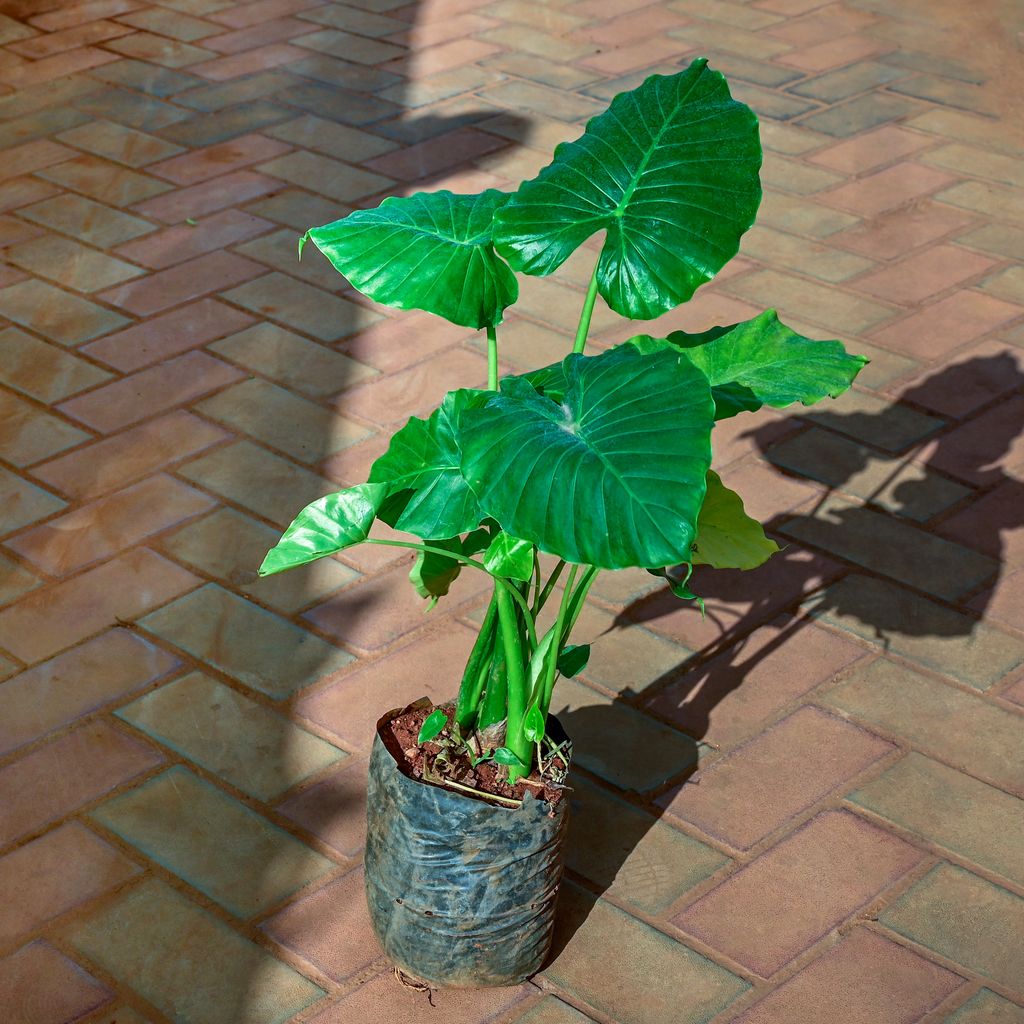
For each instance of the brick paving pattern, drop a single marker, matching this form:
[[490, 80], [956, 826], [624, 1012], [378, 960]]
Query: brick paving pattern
[[806, 807]]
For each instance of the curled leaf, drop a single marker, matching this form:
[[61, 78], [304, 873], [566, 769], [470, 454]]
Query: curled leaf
[[506, 757], [329, 524], [533, 724]]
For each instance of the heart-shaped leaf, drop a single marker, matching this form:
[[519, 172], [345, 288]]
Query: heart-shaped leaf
[[428, 494], [670, 171], [614, 475], [727, 538], [329, 524], [762, 362], [428, 251], [510, 557]]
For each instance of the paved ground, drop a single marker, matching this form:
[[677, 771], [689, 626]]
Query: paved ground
[[182, 747]]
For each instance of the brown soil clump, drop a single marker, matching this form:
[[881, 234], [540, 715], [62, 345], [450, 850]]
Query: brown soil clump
[[419, 761]]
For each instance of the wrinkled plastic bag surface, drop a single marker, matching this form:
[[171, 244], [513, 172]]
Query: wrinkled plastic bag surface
[[461, 892]]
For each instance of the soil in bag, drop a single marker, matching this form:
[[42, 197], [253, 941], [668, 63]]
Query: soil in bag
[[416, 760]]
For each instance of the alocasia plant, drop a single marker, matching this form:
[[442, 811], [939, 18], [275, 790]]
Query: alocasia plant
[[602, 461]]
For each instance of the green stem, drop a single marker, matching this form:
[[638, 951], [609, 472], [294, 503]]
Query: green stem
[[551, 668], [588, 312], [515, 670], [495, 699], [492, 358], [516, 596], [578, 598], [477, 669], [539, 603]]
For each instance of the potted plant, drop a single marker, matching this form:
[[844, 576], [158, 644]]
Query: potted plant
[[600, 461]]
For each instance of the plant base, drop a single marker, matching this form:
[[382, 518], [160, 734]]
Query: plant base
[[461, 891]]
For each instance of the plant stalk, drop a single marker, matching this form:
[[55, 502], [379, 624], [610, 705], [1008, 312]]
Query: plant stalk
[[495, 698], [515, 671], [542, 600], [577, 600], [477, 669], [587, 313], [492, 358], [547, 683]]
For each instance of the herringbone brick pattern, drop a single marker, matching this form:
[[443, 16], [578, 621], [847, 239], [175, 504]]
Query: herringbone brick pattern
[[806, 807]]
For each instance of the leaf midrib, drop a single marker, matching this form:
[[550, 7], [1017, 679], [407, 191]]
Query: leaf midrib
[[624, 201], [415, 229]]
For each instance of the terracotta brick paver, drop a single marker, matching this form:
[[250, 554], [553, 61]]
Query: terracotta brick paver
[[804, 808]]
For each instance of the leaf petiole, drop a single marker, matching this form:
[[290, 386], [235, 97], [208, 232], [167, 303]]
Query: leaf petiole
[[515, 673], [516, 596], [492, 358], [588, 311], [539, 602]]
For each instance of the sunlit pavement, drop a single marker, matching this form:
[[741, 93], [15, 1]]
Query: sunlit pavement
[[804, 808]]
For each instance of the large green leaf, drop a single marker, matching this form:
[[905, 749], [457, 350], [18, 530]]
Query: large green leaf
[[727, 538], [614, 475], [428, 494], [762, 362], [329, 524], [670, 170], [429, 251]]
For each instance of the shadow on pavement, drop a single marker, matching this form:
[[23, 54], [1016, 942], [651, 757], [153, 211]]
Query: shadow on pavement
[[951, 473]]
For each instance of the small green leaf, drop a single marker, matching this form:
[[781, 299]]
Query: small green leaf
[[727, 538], [429, 251], [435, 722], [533, 724], [573, 659], [506, 757], [762, 362], [433, 574], [329, 524], [510, 557]]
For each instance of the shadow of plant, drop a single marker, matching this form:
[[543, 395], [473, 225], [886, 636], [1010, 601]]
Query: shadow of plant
[[953, 480]]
